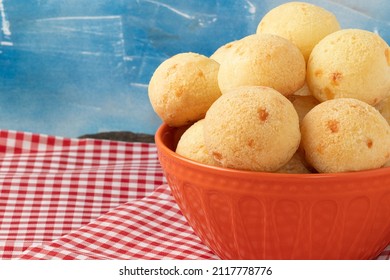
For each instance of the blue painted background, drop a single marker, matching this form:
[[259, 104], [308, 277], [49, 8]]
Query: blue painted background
[[74, 67]]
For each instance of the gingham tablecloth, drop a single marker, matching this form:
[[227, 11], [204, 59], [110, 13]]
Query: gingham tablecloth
[[64, 198]]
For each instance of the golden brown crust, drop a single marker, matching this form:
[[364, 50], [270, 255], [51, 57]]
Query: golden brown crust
[[191, 144], [252, 128], [345, 134], [263, 60], [350, 63], [301, 23], [183, 87]]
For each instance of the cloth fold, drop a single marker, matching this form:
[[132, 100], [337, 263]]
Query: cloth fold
[[150, 228], [66, 198], [50, 185]]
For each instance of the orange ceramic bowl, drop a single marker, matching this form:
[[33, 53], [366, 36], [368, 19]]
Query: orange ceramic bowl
[[256, 215]]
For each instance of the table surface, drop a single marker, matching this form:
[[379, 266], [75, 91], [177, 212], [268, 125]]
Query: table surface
[[70, 68]]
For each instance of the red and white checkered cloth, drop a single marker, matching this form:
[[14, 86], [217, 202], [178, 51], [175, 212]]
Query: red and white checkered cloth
[[64, 198]]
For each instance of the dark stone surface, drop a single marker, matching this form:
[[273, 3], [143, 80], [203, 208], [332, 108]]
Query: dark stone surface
[[125, 136]]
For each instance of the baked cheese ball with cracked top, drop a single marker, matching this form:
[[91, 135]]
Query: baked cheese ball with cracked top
[[192, 145], [183, 87], [345, 134], [252, 128], [350, 63], [302, 23], [263, 60]]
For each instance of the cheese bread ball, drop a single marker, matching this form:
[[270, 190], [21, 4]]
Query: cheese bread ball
[[183, 87], [303, 91], [252, 128], [384, 108], [263, 60], [303, 104], [350, 63], [191, 144], [303, 24], [296, 165], [223, 52], [345, 134]]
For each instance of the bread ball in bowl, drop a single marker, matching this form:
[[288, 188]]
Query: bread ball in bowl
[[183, 87]]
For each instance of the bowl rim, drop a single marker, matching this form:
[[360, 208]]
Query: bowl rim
[[164, 128]]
